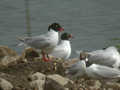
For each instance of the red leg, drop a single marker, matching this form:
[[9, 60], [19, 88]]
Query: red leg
[[48, 57], [44, 57]]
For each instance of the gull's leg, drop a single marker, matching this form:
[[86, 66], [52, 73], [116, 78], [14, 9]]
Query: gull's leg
[[48, 57], [44, 57]]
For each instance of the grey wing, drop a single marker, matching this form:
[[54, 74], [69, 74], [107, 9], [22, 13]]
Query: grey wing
[[77, 68], [37, 41], [95, 56], [104, 71], [101, 57], [73, 69]]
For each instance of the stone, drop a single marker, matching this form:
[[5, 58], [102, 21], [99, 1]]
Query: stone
[[113, 85], [5, 85], [30, 53], [7, 60], [5, 51], [56, 82], [7, 56], [61, 80], [93, 84], [37, 81]]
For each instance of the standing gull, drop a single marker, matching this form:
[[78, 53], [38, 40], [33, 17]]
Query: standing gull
[[45, 42], [63, 49]]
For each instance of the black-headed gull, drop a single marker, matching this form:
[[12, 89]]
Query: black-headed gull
[[108, 57], [84, 68], [45, 42], [96, 71], [63, 49]]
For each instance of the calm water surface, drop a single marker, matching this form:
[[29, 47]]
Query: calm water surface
[[92, 22]]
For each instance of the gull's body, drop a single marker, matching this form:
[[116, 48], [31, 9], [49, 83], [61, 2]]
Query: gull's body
[[45, 42], [108, 57], [97, 65], [63, 50], [78, 69], [102, 72], [93, 71]]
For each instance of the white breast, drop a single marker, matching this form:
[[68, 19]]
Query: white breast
[[52, 40], [63, 50]]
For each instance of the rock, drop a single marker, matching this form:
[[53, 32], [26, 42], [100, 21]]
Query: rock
[[5, 51], [56, 82], [113, 85], [59, 79], [5, 85], [30, 53], [7, 60], [7, 56], [37, 81], [93, 84]]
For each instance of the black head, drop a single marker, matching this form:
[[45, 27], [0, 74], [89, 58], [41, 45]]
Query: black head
[[56, 27], [66, 36], [84, 56]]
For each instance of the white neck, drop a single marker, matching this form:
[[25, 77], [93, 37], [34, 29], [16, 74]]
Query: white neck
[[67, 46], [65, 43], [83, 65], [51, 31], [53, 35]]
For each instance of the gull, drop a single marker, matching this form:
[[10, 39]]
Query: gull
[[94, 71], [108, 57], [63, 49], [45, 42]]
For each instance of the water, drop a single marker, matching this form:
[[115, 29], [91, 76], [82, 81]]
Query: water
[[92, 22]]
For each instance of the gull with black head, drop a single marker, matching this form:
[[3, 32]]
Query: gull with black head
[[63, 49], [45, 42]]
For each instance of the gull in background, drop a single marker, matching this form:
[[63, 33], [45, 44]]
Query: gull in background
[[45, 42], [108, 57], [63, 49], [94, 71]]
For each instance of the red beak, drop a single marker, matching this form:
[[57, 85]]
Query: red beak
[[61, 29]]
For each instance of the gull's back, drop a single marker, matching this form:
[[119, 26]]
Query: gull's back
[[109, 57], [44, 41], [102, 72]]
